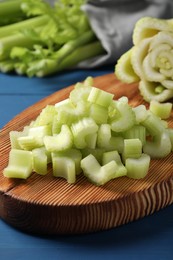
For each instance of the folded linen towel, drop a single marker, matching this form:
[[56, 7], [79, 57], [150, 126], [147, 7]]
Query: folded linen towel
[[113, 22]]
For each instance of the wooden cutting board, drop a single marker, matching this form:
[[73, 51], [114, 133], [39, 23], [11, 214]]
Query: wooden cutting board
[[49, 205]]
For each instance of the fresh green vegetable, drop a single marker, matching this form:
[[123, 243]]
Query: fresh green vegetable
[[90, 132], [149, 61], [48, 39]]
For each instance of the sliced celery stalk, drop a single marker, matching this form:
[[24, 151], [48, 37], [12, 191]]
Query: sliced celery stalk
[[99, 113], [40, 160], [114, 156], [59, 142], [64, 167], [137, 168], [159, 147], [132, 148], [124, 118], [19, 165], [29, 142], [137, 131], [153, 124], [140, 113], [162, 110], [96, 173], [97, 153], [100, 97], [81, 129]]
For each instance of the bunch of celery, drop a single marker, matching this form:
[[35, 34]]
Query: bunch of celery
[[38, 39]]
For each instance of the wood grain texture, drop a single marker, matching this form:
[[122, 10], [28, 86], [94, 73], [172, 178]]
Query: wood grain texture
[[49, 205]]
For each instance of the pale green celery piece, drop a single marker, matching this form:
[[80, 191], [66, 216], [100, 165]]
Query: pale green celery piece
[[100, 97], [46, 116], [29, 142], [148, 91], [137, 168], [91, 140], [132, 148], [14, 135], [137, 131], [107, 141], [73, 154], [124, 70], [170, 132], [19, 165], [99, 113], [114, 156], [162, 110], [89, 81], [96, 152], [66, 116], [96, 173], [124, 118], [64, 167], [59, 142], [63, 103], [81, 129], [140, 113], [80, 92], [159, 147], [56, 126], [40, 160], [40, 131], [153, 124]]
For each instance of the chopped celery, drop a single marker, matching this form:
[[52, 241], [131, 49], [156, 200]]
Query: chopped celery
[[40, 160], [140, 113], [132, 148], [81, 129], [59, 142], [100, 97], [99, 113], [67, 164], [96, 152], [96, 173], [162, 110], [124, 118], [153, 124], [19, 165], [159, 147], [137, 168], [137, 131], [114, 156]]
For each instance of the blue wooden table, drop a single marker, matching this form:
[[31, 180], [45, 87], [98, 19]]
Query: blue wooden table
[[147, 238]]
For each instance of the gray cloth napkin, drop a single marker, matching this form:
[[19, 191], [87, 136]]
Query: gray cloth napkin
[[113, 22]]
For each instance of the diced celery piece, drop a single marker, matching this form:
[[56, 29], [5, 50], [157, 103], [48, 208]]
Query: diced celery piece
[[73, 154], [124, 117], [66, 166], [99, 113], [97, 153], [162, 110], [19, 165], [114, 156], [80, 92], [137, 131], [170, 132], [153, 124], [63, 104], [100, 97], [140, 113], [137, 168], [81, 129], [96, 173], [29, 142], [40, 160], [91, 140], [59, 142], [107, 141], [132, 148], [159, 147], [46, 116]]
